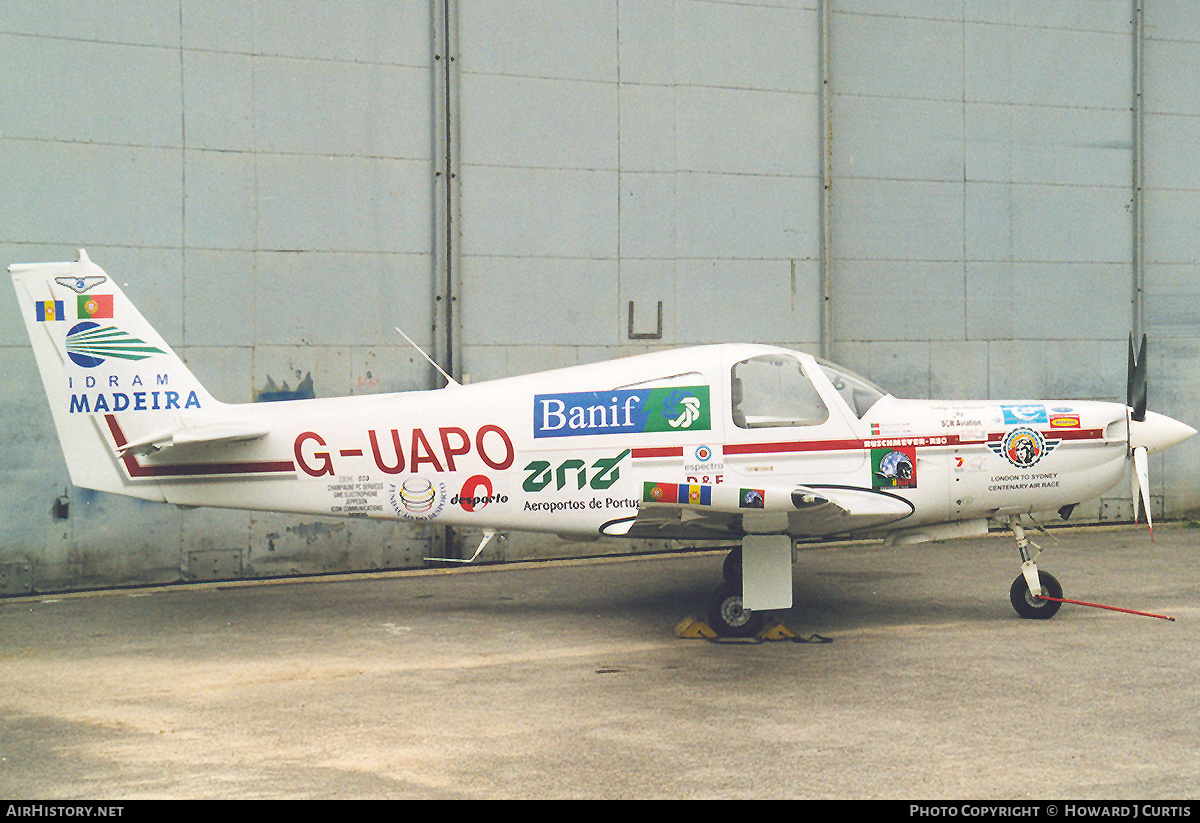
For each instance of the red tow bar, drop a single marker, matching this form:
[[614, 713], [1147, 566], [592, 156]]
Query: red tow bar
[[1110, 608]]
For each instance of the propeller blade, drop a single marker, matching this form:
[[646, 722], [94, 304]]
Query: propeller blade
[[1135, 486], [1141, 484], [1135, 384]]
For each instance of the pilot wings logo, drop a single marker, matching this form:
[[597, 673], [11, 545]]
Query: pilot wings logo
[[90, 344], [622, 411], [79, 285]]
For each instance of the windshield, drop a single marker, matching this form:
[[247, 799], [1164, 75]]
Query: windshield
[[859, 393]]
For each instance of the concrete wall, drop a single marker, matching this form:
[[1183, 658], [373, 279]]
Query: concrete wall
[[957, 199]]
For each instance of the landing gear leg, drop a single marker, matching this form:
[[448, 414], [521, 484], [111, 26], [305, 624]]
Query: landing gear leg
[[1031, 582], [759, 572]]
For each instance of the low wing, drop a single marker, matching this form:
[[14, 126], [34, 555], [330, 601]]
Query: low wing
[[689, 512]]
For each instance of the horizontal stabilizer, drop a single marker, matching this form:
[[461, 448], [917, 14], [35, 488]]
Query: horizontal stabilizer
[[210, 434]]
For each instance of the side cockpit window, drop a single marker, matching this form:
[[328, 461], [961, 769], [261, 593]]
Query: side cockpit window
[[773, 390]]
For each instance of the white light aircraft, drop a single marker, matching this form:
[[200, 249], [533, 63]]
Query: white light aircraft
[[751, 444]]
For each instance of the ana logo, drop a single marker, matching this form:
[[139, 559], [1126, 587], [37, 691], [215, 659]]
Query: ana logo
[[90, 344], [418, 499], [623, 411], [573, 470], [1023, 447]]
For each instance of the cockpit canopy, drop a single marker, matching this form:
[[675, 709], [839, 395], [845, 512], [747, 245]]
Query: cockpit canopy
[[772, 390], [859, 393]]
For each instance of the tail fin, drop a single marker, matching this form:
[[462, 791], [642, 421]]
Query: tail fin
[[111, 379]]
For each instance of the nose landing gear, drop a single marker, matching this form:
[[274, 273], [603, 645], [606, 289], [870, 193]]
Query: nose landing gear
[[1029, 587], [1034, 608]]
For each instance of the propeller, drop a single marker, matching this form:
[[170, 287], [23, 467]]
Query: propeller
[[1135, 400], [1148, 431]]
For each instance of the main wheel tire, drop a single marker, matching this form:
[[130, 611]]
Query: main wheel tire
[[1034, 608], [727, 617], [731, 569]]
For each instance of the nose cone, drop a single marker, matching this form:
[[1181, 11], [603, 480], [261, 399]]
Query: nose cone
[[1157, 432]]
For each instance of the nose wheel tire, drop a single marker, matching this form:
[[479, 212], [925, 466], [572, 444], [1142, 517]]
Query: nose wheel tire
[[1034, 608], [727, 617]]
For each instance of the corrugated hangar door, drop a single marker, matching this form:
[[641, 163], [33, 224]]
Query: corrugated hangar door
[[260, 178], [633, 176], [619, 157]]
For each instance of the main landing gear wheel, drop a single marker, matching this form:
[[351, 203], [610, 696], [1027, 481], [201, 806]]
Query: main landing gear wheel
[[1034, 608], [731, 569], [726, 615]]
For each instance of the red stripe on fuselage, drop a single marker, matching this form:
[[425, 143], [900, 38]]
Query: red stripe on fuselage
[[919, 441], [664, 451]]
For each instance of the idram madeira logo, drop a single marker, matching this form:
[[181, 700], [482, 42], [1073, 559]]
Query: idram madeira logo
[[90, 344], [623, 411]]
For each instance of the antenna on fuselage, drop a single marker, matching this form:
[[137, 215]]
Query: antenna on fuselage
[[450, 381]]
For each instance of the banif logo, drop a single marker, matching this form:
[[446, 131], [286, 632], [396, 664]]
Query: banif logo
[[623, 411]]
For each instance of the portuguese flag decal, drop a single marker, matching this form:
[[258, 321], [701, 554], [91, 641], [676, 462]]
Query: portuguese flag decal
[[95, 305]]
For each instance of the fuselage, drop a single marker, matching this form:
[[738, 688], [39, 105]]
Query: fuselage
[[578, 450]]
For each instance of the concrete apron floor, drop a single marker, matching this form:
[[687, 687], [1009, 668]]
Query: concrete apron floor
[[565, 679]]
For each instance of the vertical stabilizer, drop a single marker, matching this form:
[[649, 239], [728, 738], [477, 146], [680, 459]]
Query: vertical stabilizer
[[110, 378]]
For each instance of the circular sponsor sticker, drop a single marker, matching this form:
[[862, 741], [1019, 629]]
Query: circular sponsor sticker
[[418, 498], [1023, 447]]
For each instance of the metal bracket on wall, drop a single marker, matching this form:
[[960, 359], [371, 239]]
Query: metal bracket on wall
[[654, 335]]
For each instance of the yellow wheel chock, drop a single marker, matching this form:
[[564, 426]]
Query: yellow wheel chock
[[693, 628]]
